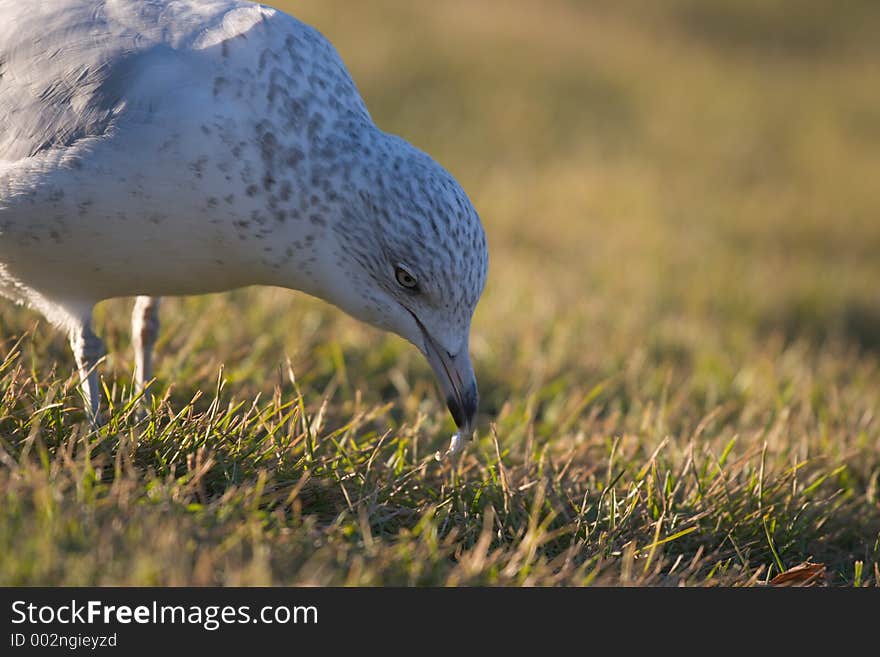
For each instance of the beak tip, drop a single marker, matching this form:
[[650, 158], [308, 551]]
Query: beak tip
[[464, 411]]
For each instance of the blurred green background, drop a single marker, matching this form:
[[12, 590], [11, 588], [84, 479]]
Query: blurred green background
[[691, 176], [694, 181]]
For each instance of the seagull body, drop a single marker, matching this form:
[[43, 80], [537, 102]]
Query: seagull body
[[184, 147]]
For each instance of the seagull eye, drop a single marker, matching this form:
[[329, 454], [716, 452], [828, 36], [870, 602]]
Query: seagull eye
[[405, 279]]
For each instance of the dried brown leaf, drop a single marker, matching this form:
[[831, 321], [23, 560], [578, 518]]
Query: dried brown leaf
[[804, 574]]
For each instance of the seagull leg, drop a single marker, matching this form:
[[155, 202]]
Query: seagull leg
[[144, 332], [87, 349]]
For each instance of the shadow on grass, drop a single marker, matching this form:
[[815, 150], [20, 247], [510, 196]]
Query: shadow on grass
[[803, 28], [854, 323]]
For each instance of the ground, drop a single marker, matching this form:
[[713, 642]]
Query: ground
[[678, 347]]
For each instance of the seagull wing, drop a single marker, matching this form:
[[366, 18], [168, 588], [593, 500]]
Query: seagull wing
[[68, 68]]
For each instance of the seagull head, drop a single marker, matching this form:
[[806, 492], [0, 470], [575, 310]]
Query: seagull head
[[411, 257]]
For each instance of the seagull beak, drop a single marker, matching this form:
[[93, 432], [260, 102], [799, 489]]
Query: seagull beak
[[458, 382]]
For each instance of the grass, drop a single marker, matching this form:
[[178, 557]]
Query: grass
[[678, 347]]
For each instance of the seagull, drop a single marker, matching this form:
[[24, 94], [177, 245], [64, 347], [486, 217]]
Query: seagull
[[162, 148]]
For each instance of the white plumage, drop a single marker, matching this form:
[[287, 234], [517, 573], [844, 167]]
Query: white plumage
[[184, 147]]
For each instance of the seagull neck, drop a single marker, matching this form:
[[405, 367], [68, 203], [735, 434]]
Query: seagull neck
[[331, 214]]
